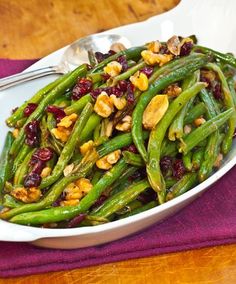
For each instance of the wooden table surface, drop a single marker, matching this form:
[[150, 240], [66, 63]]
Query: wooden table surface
[[35, 28]]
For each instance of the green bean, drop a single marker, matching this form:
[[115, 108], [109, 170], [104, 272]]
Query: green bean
[[197, 158], [19, 113], [97, 175], [187, 160], [168, 148], [91, 124], [194, 113], [54, 192], [20, 157], [145, 207], [176, 130], [187, 182], [10, 202], [229, 103], [130, 53], [22, 169], [121, 199], [157, 135], [200, 133], [68, 149], [227, 58], [170, 182], [231, 84], [146, 97], [128, 73], [20, 122], [96, 133], [210, 108], [133, 159], [5, 163], [52, 95], [134, 204], [77, 106], [63, 213], [117, 142]]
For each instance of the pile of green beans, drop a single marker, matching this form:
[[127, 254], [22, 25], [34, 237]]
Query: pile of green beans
[[89, 166]]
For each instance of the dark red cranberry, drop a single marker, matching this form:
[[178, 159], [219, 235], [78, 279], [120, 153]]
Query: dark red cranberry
[[178, 169], [44, 154], [166, 164], [131, 148], [130, 94], [115, 91], [147, 196], [95, 93], [30, 108], [164, 49], [76, 220], [38, 167], [82, 87], [110, 53], [32, 180], [123, 61], [216, 90], [148, 70], [105, 77], [206, 80], [99, 56], [99, 201], [139, 174], [57, 112], [122, 85], [32, 131], [186, 48]]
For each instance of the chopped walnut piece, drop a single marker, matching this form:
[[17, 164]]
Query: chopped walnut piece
[[119, 103], [28, 195], [155, 110], [218, 160], [154, 46], [140, 81], [199, 121], [173, 90], [117, 46], [15, 132], [173, 45], [86, 147], [187, 129], [103, 105], [125, 124], [113, 68], [61, 133], [106, 162], [68, 120], [153, 58]]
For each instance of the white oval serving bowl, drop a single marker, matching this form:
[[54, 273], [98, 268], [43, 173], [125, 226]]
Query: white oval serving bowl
[[214, 22]]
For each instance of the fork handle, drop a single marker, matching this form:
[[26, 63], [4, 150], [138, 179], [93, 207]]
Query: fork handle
[[27, 76]]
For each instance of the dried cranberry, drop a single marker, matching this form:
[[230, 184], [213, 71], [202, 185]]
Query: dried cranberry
[[32, 180], [141, 173], [99, 56], [115, 91], [186, 48], [164, 49], [130, 94], [76, 220], [110, 53], [166, 163], [82, 87], [123, 61], [216, 90], [95, 93], [147, 196], [131, 148], [57, 112], [148, 70], [122, 85], [99, 201], [206, 80], [32, 131], [38, 167], [178, 169], [44, 154], [30, 108], [105, 77]]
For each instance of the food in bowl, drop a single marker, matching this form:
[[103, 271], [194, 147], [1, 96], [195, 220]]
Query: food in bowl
[[131, 131]]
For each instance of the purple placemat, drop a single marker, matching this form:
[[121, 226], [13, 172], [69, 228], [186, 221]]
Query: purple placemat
[[208, 221]]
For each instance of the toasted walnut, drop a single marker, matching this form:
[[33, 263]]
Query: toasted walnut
[[125, 124], [109, 129], [72, 202], [174, 44], [86, 147], [117, 46], [218, 160], [72, 191], [154, 46], [153, 58], [15, 132], [140, 81], [173, 90], [103, 106], [107, 161], [209, 74], [113, 68], [68, 169], [46, 172], [155, 111], [199, 121], [119, 103], [68, 120], [187, 129], [28, 195], [61, 133], [84, 185]]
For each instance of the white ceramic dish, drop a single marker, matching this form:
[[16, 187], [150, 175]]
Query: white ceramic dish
[[214, 23]]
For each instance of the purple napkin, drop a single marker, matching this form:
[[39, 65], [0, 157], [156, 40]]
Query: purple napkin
[[210, 220]]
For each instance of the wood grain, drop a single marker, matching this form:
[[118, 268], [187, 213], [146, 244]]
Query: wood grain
[[34, 28]]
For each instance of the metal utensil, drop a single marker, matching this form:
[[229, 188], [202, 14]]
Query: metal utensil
[[74, 55]]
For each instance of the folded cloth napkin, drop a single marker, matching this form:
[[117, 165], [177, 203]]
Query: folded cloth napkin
[[208, 221]]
